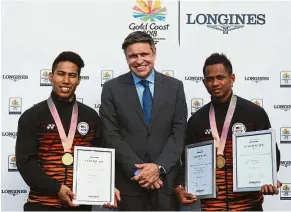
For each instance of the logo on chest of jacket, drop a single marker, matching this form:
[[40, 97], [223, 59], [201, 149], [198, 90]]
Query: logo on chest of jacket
[[207, 132], [50, 126], [239, 128], [83, 128]]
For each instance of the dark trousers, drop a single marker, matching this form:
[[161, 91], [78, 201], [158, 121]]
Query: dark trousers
[[29, 206], [151, 200]]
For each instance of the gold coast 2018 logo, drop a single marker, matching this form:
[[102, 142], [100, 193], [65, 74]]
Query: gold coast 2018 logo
[[150, 17]]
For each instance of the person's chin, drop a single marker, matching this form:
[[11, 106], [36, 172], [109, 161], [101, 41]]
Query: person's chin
[[65, 96], [144, 74], [216, 96]]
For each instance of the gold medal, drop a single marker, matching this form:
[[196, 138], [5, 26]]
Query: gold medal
[[67, 159], [220, 161]]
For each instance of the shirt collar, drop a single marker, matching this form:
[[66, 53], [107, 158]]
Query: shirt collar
[[150, 78]]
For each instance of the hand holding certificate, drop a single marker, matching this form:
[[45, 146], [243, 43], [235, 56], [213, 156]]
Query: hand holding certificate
[[254, 160], [93, 182]]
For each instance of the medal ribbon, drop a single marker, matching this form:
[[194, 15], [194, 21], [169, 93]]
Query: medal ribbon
[[220, 141], [66, 141]]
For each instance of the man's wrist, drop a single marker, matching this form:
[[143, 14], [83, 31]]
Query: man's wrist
[[179, 188], [162, 172]]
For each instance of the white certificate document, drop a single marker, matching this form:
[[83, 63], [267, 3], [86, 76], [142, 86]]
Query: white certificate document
[[254, 161], [94, 171], [200, 170]]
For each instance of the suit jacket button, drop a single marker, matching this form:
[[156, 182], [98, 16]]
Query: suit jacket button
[[148, 134]]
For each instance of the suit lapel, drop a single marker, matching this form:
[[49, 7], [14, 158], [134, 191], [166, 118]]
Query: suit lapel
[[159, 97], [133, 96]]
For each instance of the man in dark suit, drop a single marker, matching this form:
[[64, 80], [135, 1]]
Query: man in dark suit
[[144, 116]]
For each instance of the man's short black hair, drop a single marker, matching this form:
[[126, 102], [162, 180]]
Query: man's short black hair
[[217, 58], [71, 57], [138, 37]]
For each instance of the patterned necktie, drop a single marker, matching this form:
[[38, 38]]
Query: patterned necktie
[[147, 101]]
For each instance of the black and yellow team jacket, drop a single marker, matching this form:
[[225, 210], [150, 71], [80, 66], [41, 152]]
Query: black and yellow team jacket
[[247, 117], [39, 149]]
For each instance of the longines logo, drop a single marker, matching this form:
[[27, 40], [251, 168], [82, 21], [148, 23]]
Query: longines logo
[[15, 77], [15, 105], [105, 76], [282, 107], [149, 16], [84, 77], [79, 100], [226, 22], [12, 163], [258, 102], [285, 79], [196, 104], [44, 77], [196, 79], [10, 134], [285, 163], [285, 192], [14, 192], [257, 79], [285, 133], [168, 73]]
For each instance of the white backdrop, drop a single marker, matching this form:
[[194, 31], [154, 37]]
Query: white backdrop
[[35, 32]]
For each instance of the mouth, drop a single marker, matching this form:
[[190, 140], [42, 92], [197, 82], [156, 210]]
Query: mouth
[[216, 91], [65, 89], [141, 67]]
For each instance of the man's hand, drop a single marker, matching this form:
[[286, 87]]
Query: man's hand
[[66, 195], [116, 200], [148, 175], [156, 185], [184, 197], [270, 189]]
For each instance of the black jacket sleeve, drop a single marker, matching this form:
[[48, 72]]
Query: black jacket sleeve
[[26, 158]]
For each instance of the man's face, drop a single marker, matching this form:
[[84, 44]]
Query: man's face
[[140, 59], [65, 80], [218, 82]]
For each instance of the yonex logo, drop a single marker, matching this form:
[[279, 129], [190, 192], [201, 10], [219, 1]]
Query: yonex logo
[[50, 126]]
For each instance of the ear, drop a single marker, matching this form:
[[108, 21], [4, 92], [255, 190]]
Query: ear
[[232, 79], [51, 77]]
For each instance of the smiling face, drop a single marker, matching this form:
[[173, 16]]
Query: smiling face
[[65, 79], [140, 59], [218, 82]]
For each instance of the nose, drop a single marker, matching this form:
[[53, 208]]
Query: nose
[[215, 82], [139, 59], [66, 79]]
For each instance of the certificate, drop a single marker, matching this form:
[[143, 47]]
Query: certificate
[[93, 181], [200, 169], [254, 160]]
